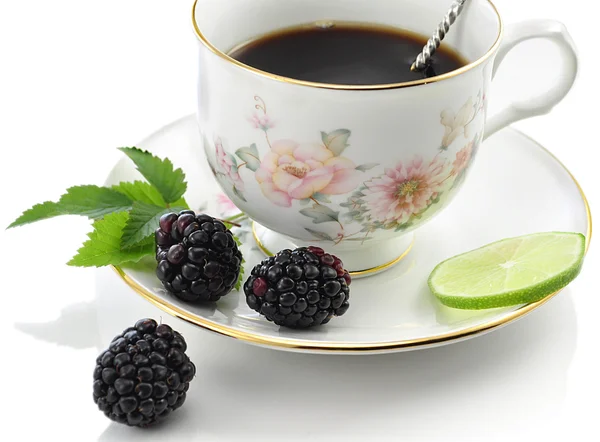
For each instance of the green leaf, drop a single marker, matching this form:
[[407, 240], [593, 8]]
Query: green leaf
[[93, 201], [38, 212], [320, 235], [170, 182], [250, 156], [336, 141], [146, 193], [320, 214], [142, 222], [104, 246], [367, 166], [140, 191], [240, 281], [321, 197]]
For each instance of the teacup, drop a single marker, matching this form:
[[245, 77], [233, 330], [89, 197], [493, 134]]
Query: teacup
[[353, 169]]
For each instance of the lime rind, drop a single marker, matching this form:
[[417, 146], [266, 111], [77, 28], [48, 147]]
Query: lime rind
[[488, 291]]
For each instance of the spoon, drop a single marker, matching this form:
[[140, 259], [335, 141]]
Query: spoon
[[438, 35]]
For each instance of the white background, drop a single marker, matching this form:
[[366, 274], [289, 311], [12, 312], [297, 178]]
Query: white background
[[79, 78]]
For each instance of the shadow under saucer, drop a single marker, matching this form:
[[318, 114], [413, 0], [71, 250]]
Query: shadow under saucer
[[480, 386]]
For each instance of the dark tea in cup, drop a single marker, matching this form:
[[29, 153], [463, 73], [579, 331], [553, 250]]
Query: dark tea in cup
[[345, 53]]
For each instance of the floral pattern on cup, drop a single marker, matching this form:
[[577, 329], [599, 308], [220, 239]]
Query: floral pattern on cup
[[293, 171], [310, 173], [225, 168], [262, 122], [459, 123], [391, 200]]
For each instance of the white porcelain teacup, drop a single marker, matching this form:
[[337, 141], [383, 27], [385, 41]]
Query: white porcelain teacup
[[353, 168]]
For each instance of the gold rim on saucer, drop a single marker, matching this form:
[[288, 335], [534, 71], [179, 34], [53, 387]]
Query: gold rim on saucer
[[367, 347], [262, 73], [348, 347], [354, 274]]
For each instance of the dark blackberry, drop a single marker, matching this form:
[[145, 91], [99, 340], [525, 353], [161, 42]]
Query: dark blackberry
[[198, 259], [142, 389], [300, 288]]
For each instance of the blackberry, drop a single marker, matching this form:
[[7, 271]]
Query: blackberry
[[300, 288], [144, 375], [198, 259]]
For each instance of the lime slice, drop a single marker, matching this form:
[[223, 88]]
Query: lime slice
[[509, 272]]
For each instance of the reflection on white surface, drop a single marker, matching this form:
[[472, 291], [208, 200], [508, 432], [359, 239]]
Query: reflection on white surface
[[76, 327], [242, 392]]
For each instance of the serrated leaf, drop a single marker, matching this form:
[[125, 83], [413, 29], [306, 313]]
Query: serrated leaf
[[322, 198], [146, 193], [320, 214], [320, 235], [38, 212], [140, 191], [240, 281], [104, 244], [366, 166], [250, 156], [142, 222], [161, 174], [90, 201], [336, 141], [93, 201]]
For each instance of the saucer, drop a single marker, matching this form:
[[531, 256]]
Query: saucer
[[516, 187]]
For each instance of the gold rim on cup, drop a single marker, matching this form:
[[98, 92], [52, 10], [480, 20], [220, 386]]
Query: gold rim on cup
[[281, 78]]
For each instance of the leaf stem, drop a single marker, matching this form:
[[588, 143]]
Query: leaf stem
[[229, 222], [231, 219], [235, 217]]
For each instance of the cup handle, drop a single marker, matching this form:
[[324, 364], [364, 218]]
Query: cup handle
[[543, 103]]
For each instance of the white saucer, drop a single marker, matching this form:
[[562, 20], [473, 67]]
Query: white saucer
[[516, 187]]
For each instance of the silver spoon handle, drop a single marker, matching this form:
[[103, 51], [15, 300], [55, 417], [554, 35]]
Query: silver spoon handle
[[438, 35]]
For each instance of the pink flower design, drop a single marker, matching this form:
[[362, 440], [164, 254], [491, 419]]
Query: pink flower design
[[463, 157], [262, 122], [405, 190], [227, 166], [298, 171]]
